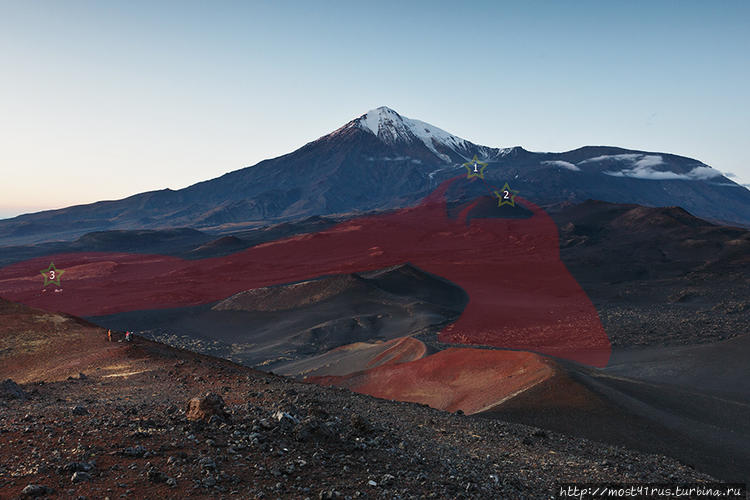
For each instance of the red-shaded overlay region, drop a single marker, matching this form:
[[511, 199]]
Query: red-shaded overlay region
[[471, 380], [521, 296]]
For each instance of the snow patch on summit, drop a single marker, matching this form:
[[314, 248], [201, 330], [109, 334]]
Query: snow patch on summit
[[391, 127], [371, 121]]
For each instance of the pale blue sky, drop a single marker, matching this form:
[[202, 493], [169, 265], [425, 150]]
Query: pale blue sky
[[100, 100]]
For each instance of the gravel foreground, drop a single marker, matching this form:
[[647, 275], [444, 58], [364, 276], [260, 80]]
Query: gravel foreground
[[127, 435]]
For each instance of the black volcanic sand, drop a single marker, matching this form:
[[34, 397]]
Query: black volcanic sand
[[275, 327], [691, 403], [720, 368]]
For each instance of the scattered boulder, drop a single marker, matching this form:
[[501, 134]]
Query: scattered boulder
[[72, 467], [206, 406], [36, 490], [80, 410], [312, 429], [361, 425], [156, 476], [80, 476], [263, 422], [328, 495], [207, 463], [285, 418], [135, 451], [10, 390]]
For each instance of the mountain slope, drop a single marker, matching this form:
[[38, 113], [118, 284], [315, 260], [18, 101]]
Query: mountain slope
[[278, 438], [383, 160]]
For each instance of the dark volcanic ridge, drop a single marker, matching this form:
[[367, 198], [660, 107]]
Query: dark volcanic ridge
[[658, 276], [185, 243]]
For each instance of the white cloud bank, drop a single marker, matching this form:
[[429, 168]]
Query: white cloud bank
[[562, 164], [642, 167], [624, 157]]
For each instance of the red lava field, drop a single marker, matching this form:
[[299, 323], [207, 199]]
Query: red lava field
[[521, 296]]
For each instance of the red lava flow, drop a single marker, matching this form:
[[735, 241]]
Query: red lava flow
[[521, 296]]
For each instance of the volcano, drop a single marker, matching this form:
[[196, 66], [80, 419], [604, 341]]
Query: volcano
[[383, 160]]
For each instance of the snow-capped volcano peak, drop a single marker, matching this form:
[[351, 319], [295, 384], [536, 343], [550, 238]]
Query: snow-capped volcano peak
[[372, 119], [391, 128], [398, 131], [384, 121]]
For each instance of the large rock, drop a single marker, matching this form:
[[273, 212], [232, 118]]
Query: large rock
[[36, 490], [80, 477], [72, 467], [10, 390], [206, 406], [136, 451]]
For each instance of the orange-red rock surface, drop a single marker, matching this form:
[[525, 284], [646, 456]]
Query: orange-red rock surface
[[471, 380]]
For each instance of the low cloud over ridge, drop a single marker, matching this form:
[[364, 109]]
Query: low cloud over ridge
[[642, 167], [562, 164]]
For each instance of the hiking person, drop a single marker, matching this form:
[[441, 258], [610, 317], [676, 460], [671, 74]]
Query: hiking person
[[127, 336], [109, 335]]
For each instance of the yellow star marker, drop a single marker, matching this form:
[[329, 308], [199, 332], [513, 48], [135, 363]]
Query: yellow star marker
[[472, 167], [506, 196], [51, 275]]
